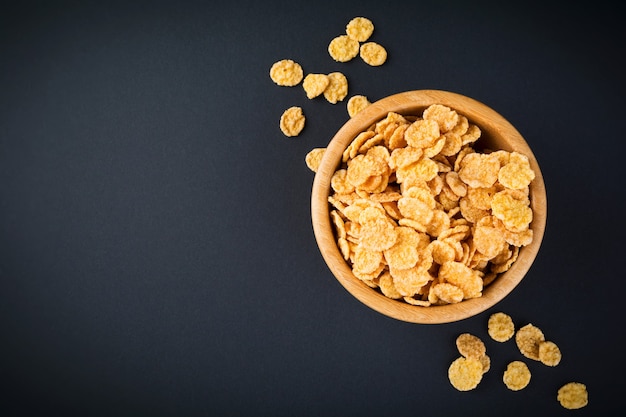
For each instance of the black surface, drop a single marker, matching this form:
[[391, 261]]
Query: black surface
[[156, 251]]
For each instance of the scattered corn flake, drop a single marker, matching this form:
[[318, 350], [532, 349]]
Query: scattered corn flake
[[516, 376], [314, 157], [343, 48], [337, 88], [500, 327], [549, 353], [373, 54], [292, 121], [573, 395], [486, 361], [528, 338], [465, 373], [356, 104], [470, 346], [286, 72], [360, 29], [315, 84]]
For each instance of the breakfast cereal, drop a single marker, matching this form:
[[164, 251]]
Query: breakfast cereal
[[343, 48], [373, 54], [549, 353], [500, 327], [420, 179], [292, 121], [360, 29], [286, 72], [315, 84], [314, 157], [516, 376], [528, 339], [465, 373], [573, 395], [356, 104], [470, 346], [337, 88]]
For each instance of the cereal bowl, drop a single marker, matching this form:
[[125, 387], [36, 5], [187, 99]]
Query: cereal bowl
[[493, 245]]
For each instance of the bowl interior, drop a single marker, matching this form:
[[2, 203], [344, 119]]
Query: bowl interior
[[497, 133]]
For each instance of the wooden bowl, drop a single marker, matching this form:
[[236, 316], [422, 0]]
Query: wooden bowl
[[497, 133]]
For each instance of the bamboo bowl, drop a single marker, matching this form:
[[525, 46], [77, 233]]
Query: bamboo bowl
[[497, 133]]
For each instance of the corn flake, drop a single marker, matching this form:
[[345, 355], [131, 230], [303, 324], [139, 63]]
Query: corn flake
[[573, 395], [314, 157], [528, 339], [292, 121], [315, 84], [549, 353], [360, 29], [343, 48], [356, 104], [337, 88], [470, 346], [286, 72], [500, 327], [373, 54], [465, 373], [516, 376]]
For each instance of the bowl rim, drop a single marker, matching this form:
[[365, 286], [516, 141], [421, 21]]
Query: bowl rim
[[492, 124]]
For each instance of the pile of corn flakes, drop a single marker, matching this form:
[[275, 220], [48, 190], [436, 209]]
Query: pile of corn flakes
[[422, 215], [333, 86], [466, 371]]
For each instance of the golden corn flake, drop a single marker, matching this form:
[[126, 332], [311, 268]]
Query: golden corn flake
[[356, 104], [286, 72], [360, 29], [573, 395], [516, 376], [528, 339], [513, 208], [315, 84], [404, 253], [465, 373], [314, 157], [445, 117], [422, 133], [337, 88], [366, 260], [292, 121], [470, 346], [500, 327], [463, 277], [409, 281], [549, 353], [446, 293], [479, 170], [516, 173], [343, 48], [373, 54]]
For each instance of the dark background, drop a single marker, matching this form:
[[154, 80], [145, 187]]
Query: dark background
[[156, 250]]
